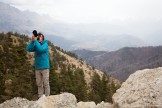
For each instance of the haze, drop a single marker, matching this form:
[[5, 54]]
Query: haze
[[101, 18]]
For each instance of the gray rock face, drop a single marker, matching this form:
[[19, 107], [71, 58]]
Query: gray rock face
[[104, 105], [142, 89], [93, 105], [15, 103], [86, 105], [65, 100]]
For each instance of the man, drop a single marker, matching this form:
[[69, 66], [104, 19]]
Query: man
[[40, 46]]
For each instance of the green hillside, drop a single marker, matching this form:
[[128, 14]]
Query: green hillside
[[17, 78]]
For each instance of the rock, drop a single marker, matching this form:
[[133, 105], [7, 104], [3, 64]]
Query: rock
[[104, 105], [141, 89], [8, 82], [65, 100], [16, 102], [86, 105], [1, 48], [93, 105]]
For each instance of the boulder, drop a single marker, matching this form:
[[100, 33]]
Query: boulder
[[86, 104], [141, 89], [104, 105], [93, 105], [16, 102], [65, 100]]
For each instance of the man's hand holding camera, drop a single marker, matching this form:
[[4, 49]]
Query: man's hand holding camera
[[34, 38]]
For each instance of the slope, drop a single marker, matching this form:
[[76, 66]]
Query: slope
[[67, 73]]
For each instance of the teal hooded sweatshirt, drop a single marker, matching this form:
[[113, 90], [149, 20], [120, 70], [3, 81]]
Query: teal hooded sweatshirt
[[41, 54]]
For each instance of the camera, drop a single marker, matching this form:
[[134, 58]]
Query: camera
[[35, 33]]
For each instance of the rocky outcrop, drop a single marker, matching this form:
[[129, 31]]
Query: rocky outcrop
[[16, 102], [86, 105], [64, 100], [142, 89], [93, 105], [104, 105]]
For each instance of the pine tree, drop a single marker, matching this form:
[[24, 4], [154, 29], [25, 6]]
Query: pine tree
[[80, 86], [106, 89], [54, 82], [95, 93]]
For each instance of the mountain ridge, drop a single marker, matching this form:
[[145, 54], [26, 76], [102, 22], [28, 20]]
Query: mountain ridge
[[121, 63]]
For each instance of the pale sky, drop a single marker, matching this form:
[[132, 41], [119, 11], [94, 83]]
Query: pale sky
[[94, 11]]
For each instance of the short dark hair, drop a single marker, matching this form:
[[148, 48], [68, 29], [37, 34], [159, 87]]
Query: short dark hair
[[40, 34]]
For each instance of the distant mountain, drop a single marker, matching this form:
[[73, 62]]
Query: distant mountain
[[123, 62], [60, 41], [86, 54], [12, 19], [109, 42]]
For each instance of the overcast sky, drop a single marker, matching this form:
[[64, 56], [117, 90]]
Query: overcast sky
[[90, 11]]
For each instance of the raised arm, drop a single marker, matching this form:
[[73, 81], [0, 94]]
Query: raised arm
[[30, 47], [41, 48]]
